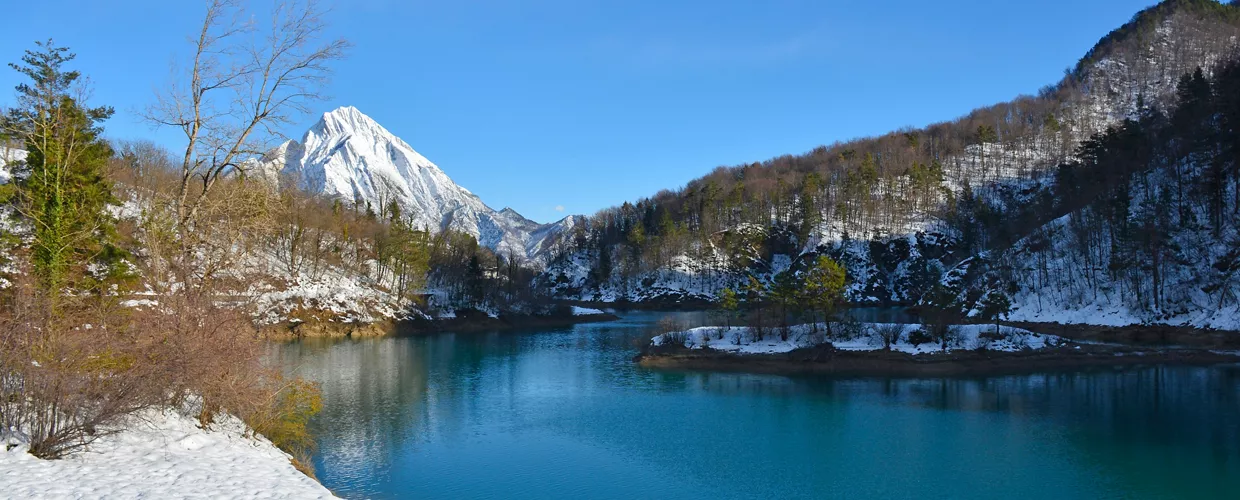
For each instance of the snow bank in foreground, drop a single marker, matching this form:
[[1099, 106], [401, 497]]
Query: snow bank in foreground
[[161, 454], [741, 339], [585, 311]]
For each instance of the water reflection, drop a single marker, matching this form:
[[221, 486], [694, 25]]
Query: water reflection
[[566, 413]]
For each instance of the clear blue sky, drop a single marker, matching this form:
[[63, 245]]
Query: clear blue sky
[[580, 104]]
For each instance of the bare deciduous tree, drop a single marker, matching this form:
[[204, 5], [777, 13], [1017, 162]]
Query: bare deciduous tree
[[244, 81]]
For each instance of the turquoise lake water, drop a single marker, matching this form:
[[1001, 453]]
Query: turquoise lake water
[[566, 414]]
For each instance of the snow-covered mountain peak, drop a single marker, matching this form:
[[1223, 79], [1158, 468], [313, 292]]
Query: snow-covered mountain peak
[[513, 214], [349, 156], [347, 126], [347, 121], [349, 115]]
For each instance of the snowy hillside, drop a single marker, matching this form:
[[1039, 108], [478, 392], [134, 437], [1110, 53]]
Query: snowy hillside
[[1062, 277], [348, 156], [897, 238]]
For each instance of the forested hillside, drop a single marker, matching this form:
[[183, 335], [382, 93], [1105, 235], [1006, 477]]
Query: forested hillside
[[1150, 231], [914, 211]]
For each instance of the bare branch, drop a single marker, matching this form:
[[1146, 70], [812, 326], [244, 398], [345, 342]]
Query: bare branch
[[244, 82]]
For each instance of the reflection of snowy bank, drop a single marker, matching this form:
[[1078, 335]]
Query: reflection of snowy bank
[[868, 337], [160, 455]]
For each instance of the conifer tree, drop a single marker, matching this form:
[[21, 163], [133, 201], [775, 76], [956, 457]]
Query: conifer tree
[[824, 287], [62, 190], [729, 303], [996, 306]]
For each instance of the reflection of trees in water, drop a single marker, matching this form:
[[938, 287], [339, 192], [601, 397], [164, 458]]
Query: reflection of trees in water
[[373, 397], [1197, 407], [384, 398], [1164, 431], [1158, 404], [1167, 431]]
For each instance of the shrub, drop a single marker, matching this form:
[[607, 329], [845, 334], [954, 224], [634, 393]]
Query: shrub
[[888, 334], [845, 329], [67, 378], [704, 337], [950, 336], [672, 331], [919, 336], [987, 337], [213, 354], [991, 335], [70, 377], [940, 329], [677, 338], [285, 420]]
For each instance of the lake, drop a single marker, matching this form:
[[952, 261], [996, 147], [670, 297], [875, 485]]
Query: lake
[[566, 414]]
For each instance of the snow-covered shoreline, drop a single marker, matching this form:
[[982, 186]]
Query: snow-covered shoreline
[[742, 340], [974, 351], [160, 454]]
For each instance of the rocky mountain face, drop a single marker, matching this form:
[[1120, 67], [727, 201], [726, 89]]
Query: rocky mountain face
[[350, 157]]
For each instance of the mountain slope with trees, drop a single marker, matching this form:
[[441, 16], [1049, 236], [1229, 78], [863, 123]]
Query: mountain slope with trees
[[907, 213]]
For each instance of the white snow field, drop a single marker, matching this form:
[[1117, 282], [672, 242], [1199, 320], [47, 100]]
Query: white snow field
[[740, 339], [160, 454]]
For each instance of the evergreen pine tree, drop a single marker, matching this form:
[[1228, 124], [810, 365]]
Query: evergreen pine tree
[[996, 306], [62, 189]]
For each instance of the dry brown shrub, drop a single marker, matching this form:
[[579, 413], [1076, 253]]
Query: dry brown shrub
[[68, 378]]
